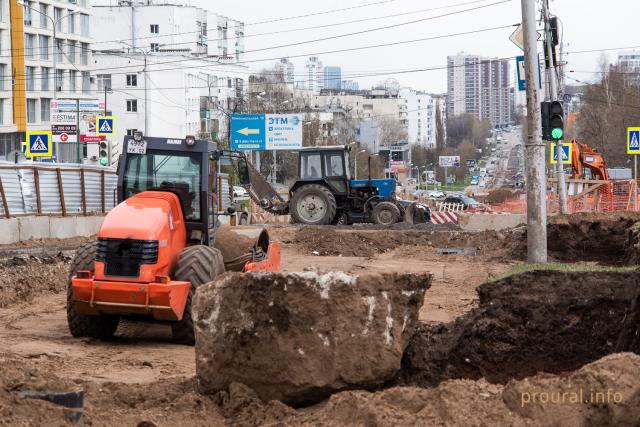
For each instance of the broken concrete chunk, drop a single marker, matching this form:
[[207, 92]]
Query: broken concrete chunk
[[299, 337]]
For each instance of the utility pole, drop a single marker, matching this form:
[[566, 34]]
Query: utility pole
[[554, 96], [534, 147]]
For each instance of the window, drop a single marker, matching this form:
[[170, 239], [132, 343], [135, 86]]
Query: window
[[44, 79], [73, 76], [130, 132], [3, 73], [310, 167], [30, 78], [31, 110], [86, 82], [44, 47], [132, 105], [59, 80], [104, 81], [58, 53], [155, 47], [1, 110], [155, 29], [71, 17], [178, 172], [27, 13], [84, 25], [132, 80], [29, 45], [44, 21], [45, 110], [84, 53], [333, 165], [71, 51], [57, 17]]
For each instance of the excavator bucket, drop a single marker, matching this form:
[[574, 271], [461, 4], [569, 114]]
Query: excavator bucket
[[247, 248]]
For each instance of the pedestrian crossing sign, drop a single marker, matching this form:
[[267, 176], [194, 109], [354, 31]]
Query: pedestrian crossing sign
[[105, 126], [39, 144], [633, 141], [566, 153]]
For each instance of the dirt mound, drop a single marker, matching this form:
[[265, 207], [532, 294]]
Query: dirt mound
[[369, 243], [541, 321], [22, 278], [500, 196]]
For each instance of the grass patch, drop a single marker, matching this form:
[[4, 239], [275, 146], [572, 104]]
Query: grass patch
[[564, 267]]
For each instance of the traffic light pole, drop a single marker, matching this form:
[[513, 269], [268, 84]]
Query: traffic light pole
[[534, 147], [553, 82]]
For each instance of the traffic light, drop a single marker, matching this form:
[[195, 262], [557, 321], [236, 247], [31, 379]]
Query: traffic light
[[552, 121], [108, 153]]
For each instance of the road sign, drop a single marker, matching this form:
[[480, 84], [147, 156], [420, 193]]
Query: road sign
[[566, 153], [633, 140], [105, 126], [517, 37], [39, 144], [521, 75], [266, 131], [64, 137], [448, 161]]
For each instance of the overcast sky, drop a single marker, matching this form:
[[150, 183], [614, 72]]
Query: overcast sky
[[588, 24]]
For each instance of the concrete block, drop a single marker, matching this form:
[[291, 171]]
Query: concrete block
[[9, 231], [63, 227], [482, 222], [88, 225], [34, 227]]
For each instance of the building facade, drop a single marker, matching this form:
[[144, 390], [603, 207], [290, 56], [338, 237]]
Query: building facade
[[37, 67], [350, 85], [479, 86], [629, 63], [314, 75], [332, 78], [287, 69]]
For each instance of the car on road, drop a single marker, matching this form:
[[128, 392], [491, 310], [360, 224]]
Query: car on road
[[239, 192], [474, 180], [436, 195], [466, 201]]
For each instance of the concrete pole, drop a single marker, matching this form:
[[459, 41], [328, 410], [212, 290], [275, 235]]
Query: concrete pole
[[562, 189], [534, 147]]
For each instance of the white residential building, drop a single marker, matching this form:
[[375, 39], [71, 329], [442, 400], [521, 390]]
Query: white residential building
[[419, 111], [629, 63], [287, 69], [27, 77], [314, 75]]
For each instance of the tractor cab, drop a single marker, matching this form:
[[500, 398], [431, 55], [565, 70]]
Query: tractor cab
[[185, 167], [327, 165]]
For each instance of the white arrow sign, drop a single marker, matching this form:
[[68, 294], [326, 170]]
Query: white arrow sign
[[247, 131]]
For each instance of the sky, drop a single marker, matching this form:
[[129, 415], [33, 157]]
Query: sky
[[588, 25]]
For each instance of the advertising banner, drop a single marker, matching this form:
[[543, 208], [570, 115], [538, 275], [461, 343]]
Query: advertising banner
[[64, 120]]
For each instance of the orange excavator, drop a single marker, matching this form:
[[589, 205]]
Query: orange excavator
[[163, 239], [587, 163]]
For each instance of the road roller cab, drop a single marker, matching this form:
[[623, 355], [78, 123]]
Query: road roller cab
[[162, 240]]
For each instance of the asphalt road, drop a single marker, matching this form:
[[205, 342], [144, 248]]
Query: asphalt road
[[505, 163]]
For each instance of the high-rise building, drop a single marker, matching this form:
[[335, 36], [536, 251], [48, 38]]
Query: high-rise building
[[164, 79], [479, 86], [287, 69], [350, 85], [28, 80], [314, 77], [332, 78], [629, 63], [418, 111]]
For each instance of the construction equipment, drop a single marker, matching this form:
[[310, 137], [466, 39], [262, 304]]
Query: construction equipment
[[326, 194], [587, 163], [162, 240]]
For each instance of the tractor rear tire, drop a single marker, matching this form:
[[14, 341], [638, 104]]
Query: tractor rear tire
[[103, 326], [385, 213], [198, 265], [313, 204]]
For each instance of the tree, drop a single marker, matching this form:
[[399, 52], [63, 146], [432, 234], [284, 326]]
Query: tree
[[467, 128], [391, 130]]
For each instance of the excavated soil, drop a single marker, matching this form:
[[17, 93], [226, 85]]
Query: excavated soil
[[541, 321], [24, 277]]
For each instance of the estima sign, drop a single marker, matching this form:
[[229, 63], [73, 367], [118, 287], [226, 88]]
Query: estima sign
[[449, 161]]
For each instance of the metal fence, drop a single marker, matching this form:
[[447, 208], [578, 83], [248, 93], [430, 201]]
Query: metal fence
[[56, 189]]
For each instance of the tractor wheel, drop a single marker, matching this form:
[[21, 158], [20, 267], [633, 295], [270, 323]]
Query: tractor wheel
[[197, 265], [103, 326], [313, 204], [385, 213]]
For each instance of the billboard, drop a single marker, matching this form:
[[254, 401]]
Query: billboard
[[266, 131], [65, 119], [449, 161]]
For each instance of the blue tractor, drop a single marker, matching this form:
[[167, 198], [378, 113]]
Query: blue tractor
[[325, 193]]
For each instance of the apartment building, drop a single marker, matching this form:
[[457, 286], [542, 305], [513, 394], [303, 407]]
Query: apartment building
[[45, 54]]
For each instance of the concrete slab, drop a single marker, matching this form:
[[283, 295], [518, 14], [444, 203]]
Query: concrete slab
[[88, 225], [9, 231], [34, 227], [482, 222], [63, 227]]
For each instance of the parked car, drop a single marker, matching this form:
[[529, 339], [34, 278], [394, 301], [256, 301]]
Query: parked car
[[239, 192], [466, 201], [436, 195], [474, 180]]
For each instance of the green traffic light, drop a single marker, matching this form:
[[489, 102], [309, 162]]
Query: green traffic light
[[103, 162], [557, 133]]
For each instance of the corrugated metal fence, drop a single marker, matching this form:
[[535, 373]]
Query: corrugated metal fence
[[56, 189]]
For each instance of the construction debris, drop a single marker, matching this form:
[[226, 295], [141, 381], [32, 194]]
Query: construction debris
[[299, 337]]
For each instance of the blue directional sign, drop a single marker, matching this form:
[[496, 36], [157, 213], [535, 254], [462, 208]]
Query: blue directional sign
[[105, 126], [566, 153], [248, 132], [522, 85], [633, 141], [39, 144], [266, 131]]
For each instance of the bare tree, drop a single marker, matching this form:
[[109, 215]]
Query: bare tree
[[391, 130]]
